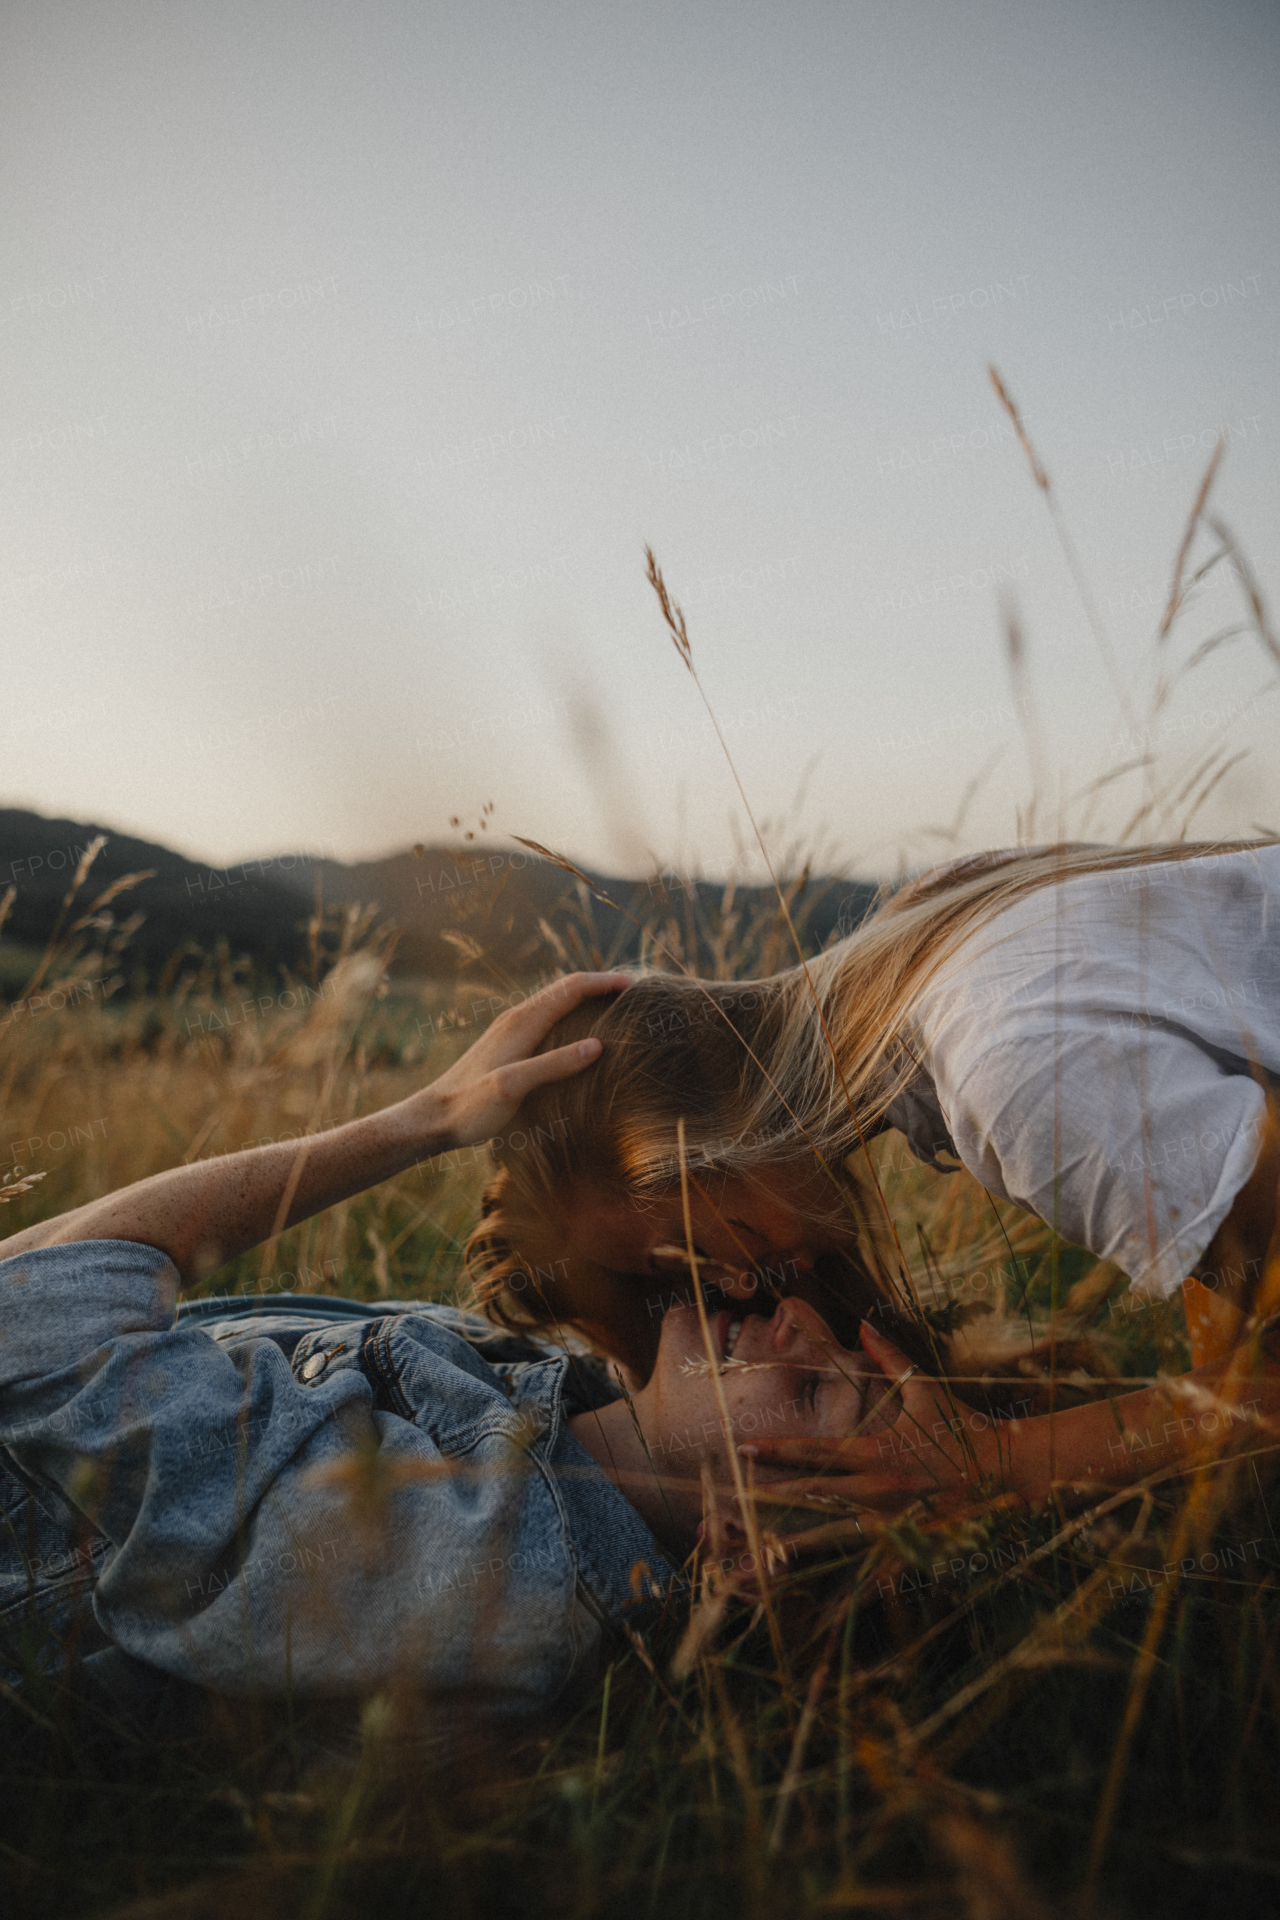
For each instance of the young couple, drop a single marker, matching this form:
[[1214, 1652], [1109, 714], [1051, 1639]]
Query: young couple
[[319, 1496]]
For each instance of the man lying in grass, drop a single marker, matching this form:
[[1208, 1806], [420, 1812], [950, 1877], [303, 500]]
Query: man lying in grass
[[314, 1502]]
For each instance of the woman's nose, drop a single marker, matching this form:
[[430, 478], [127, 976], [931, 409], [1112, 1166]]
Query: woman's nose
[[738, 1286]]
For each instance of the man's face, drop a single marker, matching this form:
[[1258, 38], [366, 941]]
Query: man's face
[[783, 1374]]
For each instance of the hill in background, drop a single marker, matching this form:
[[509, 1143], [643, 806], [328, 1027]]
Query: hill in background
[[450, 904]]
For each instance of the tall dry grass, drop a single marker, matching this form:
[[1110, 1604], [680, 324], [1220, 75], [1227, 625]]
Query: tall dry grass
[[995, 1715]]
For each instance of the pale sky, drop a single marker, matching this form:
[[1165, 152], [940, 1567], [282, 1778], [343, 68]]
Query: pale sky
[[352, 353]]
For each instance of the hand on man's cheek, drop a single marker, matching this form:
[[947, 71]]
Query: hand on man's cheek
[[782, 1378]]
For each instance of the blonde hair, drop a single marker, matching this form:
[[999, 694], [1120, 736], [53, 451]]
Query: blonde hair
[[774, 1072]]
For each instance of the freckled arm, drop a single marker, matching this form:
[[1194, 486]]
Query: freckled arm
[[205, 1214]]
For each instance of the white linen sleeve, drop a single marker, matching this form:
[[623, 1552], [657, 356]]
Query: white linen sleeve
[[1133, 1145]]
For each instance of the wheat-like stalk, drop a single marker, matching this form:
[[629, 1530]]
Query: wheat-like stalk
[[14, 1187]]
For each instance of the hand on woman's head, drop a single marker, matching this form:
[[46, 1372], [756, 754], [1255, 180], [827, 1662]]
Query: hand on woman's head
[[481, 1093]]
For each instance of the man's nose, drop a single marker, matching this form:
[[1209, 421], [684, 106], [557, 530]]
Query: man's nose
[[788, 1325]]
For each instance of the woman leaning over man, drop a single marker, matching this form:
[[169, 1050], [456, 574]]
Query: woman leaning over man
[[1094, 1033]]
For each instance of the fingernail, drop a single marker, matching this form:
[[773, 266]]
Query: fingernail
[[588, 1049], [749, 1452]]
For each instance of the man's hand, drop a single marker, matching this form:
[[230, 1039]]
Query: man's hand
[[934, 1447], [204, 1214], [480, 1093]]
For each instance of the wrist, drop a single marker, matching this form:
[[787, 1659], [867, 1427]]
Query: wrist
[[424, 1124], [415, 1128]]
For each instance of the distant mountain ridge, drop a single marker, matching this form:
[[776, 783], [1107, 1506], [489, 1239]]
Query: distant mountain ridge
[[449, 903], [254, 908]]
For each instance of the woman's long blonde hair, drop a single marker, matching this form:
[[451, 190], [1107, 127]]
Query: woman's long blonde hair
[[779, 1072]]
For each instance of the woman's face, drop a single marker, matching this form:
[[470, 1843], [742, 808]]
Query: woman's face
[[742, 1228]]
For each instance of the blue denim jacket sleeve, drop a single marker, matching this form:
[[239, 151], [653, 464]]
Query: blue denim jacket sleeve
[[407, 1510]]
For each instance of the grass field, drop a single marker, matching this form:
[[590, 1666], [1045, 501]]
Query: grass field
[[955, 1696]]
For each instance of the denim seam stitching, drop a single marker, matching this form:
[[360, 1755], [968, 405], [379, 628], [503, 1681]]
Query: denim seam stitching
[[376, 1355]]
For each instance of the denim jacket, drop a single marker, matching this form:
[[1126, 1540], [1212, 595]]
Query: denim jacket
[[287, 1502]]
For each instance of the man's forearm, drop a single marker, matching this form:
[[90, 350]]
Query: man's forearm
[[205, 1214]]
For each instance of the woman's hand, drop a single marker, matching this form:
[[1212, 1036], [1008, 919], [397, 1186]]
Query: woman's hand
[[480, 1093], [935, 1447]]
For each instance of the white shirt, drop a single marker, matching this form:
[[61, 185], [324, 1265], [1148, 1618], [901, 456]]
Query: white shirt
[[1085, 1053]]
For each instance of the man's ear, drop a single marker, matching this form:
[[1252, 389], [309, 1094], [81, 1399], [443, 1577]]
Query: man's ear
[[721, 1534]]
